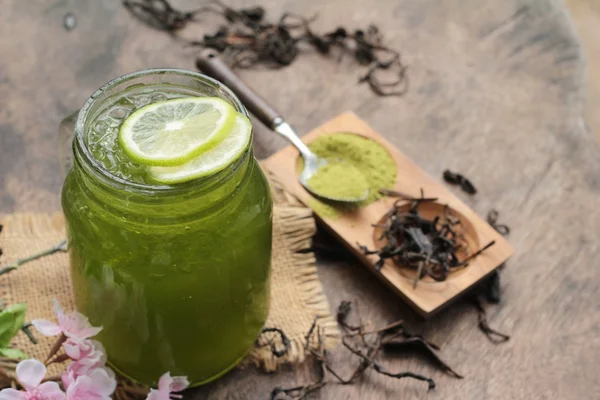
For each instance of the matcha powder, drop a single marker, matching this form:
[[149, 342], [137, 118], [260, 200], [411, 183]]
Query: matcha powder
[[339, 180], [351, 152]]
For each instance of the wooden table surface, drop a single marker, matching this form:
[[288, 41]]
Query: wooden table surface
[[586, 18], [496, 93]]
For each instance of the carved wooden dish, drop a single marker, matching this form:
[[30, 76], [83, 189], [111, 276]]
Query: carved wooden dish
[[354, 227]]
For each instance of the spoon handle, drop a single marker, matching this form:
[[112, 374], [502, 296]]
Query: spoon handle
[[212, 65]]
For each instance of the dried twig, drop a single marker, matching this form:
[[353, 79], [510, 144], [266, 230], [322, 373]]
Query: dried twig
[[423, 347], [284, 341], [493, 335], [61, 246], [364, 344], [56, 347]]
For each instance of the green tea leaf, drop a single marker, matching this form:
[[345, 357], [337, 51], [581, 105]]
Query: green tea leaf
[[13, 354], [11, 321]]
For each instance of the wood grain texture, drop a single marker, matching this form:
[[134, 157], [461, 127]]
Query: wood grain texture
[[585, 15], [354, 228], [495, 93]]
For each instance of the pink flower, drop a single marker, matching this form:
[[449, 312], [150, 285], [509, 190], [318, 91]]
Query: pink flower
[[98, 384], [80, 368], [167, 385], [30, 374], [87, 356], [78, 350], [73, 325]]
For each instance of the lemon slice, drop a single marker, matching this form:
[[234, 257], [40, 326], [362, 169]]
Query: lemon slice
[[173, 132], [211, 161]]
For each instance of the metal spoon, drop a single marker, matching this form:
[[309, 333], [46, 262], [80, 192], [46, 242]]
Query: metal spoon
[[209, 63]]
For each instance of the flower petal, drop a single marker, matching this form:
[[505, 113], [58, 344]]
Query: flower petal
[[51, 391], [156, 395], [98, 346], [31, 373], [92, 331], [179, 383], [46, 328], [58, 310], [68, 378], [87, 364], [78, 349], [77, 326], [109, 372], [97, 385], [164, 383], [73, 349], [102, 382], [12, 394]]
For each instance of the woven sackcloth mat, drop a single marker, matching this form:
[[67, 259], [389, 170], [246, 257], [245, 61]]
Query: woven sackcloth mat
[[297, 298]]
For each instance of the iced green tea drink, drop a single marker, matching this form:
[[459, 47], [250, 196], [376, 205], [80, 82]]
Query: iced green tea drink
[[169, 225]]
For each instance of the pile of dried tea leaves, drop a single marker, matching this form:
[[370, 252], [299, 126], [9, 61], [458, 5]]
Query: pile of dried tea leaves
[[246, 39], [428, 246]]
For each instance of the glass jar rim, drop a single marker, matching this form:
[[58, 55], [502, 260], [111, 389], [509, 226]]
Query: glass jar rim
[[79, 129]]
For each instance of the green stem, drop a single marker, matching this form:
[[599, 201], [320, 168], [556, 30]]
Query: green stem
[[62, 246]]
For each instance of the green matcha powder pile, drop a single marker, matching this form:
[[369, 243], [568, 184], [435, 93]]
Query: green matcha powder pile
[[348, 153], [339, 180]]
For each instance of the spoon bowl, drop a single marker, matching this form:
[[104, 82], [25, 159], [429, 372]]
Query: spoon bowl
[[312, 164]]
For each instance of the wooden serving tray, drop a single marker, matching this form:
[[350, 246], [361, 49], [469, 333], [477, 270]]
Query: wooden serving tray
[[355, 226]]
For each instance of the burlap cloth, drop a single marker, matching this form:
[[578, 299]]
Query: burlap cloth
[[297, 297]]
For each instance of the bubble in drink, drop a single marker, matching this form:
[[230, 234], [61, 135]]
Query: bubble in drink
[[102, 139]]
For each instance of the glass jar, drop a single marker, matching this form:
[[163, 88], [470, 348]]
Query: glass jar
[[178, 276]]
